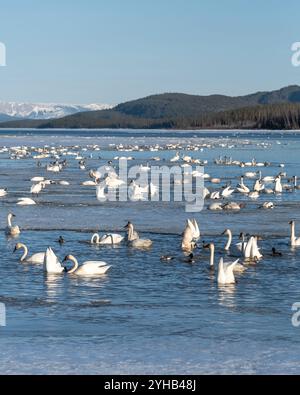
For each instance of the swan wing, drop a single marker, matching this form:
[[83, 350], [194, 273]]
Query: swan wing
[[51, 262]]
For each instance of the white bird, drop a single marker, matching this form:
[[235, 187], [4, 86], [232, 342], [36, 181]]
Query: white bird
[[3, 192], [191, 235], [216, 207], [278, 186], [11, 230], [176, 158], [238, 268], [37, 188], [51, 263], [225, 274], [252, 252], [34, 259], [134, 238], [242, 188], [227, 192], [89, 268], [295, 241], [26, 202], [108, 239], [37, 179], [268, 205]]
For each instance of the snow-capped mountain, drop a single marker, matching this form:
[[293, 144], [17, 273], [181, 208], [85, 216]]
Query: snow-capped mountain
[[45, 110]]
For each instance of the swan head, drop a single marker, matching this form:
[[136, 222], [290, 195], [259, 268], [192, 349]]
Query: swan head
[[11, 215], [226, 232], [18, 246], [291, 222]]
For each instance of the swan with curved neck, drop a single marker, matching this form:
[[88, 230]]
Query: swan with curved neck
[[134, 238], [12, 230], [35, 259], [90, 268], [295, 241], [237, 268], [108, 239]]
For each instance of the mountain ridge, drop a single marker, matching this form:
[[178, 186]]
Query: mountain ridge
[[181, 110]]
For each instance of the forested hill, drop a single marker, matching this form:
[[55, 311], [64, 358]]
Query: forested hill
[[263, 110]]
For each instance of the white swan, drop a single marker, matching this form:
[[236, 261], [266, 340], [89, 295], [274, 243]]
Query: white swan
[[37, 188], [12, 230], [26, 202], [35, 259], [295, 241], [227, 192], [134, 238], [89, 268], [252, 252], [215, 207], [51, 263], [190, 235], [238, 268], [278, 185], [242, 188], [3, 192], [225, 274], [108, 239]]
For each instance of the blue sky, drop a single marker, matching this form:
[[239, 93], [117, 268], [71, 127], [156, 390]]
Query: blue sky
[[85, 51]]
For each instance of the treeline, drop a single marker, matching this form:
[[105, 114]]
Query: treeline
[[276, 116]]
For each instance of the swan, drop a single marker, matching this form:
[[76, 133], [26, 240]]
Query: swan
[[242, 188], [89, 183], [252, 252], [216, 207], [278, 186], [295, 241], [190, 235], [37, 179], [89, 268], [238, 268], [134, 238], [26, 202], [253, 195], [225, 274], [10, 229], [176, 158], [37, 188], [107, 239], [35, 259], [227, 192], [268, 205], [258, 186], [233, 206], [51, 263], [215, 195], [3, 192]]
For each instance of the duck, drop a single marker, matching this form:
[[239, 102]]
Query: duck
[[89, 268], [295, 241], [190, 258], [51, 263], [61, 240], [34, 259], [107, 239], [275, 252], [12, 230], [166, 258], [134, 238]]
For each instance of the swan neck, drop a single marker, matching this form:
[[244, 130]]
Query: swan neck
[[9, 221], [75, 267], [293, 232], [25, 252], [95, 239], [212, 255], [229, 241]]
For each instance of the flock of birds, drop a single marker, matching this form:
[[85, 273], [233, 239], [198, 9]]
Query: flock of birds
[[246, 249]]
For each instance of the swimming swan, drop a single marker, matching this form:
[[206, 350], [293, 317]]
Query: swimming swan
[[51, 263], [108, 239], [35, 259], [26, 202], [134, 238], [225, 273], [238, 268], [10, 229], [295, 241], [89, 268], [191, 235]]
